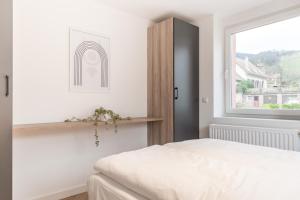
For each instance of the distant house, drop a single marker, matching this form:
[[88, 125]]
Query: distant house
[[245, 70]]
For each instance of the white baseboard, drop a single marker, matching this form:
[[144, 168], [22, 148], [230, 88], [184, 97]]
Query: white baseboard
[[63, 193]]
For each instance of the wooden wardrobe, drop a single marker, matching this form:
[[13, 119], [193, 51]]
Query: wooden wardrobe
[[173, 81]]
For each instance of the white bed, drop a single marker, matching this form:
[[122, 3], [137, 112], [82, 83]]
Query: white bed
[[203, 169], [103, 188]]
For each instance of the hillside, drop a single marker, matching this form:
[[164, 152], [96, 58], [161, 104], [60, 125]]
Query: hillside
[[290, 66]]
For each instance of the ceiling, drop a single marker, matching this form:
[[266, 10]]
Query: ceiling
[[187, 9]]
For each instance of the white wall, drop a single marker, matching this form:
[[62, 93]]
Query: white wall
[[263, 11], [218, 67], [211, 71], [206, 73], [55, 163]]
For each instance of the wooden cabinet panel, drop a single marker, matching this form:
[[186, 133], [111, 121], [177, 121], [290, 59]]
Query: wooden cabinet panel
[[160, 81]]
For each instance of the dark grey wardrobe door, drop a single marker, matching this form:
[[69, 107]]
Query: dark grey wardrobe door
[[5, 100], [186, 81]]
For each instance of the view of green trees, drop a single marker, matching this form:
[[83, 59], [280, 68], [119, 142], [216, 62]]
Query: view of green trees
[[290, 67], [243, 86], [283, 106]]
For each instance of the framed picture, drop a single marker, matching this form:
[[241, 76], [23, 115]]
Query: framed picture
[[89, 62]]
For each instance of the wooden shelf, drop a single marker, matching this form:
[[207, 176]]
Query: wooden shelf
[[61, 125]]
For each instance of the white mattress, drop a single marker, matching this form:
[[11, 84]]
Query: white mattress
[[203, 169], [100, 187]]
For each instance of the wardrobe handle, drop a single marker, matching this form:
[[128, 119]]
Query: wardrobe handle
[[6, 85], [176, 93]]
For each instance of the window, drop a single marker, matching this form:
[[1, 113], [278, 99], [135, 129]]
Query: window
[[263, 74]]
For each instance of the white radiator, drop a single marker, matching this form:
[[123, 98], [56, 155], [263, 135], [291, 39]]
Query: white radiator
[[287, 139]]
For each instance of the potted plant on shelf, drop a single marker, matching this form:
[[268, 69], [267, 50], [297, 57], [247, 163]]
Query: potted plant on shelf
[[100, 115]]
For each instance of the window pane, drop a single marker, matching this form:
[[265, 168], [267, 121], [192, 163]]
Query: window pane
[[266, 67]]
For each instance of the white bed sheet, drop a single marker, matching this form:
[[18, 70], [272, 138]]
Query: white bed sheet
[[100, 187], [207, 169]]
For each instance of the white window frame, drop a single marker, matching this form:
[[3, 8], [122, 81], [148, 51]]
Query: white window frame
[[248, 25]]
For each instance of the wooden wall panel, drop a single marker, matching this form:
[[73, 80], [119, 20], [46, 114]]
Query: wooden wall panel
[[160, 81]]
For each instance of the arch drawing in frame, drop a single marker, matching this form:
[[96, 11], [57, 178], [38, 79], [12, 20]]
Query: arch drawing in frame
[[89, 62]]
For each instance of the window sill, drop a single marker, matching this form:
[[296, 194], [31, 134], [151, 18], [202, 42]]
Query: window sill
[[246, 120], [264, 114]]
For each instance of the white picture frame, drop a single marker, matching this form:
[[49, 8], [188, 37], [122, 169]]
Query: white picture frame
[[89, 59]]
